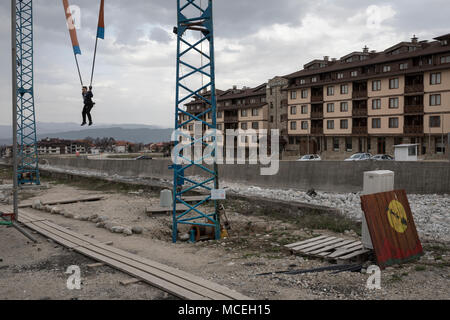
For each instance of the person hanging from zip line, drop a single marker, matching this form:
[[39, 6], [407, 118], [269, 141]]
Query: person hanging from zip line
[[88, 105]]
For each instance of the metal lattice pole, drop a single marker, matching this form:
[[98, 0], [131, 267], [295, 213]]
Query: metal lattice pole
[[27, 155], [194, 18]]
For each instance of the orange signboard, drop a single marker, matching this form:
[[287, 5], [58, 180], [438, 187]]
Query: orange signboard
[[392, 228]]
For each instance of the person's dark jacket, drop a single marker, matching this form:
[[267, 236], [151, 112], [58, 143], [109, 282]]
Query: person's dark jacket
[[87, 97]]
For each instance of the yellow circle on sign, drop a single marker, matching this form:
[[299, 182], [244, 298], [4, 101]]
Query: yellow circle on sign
[[397, 216]]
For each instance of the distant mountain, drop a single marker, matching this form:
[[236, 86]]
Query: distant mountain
[[44, 128], [135, 135]]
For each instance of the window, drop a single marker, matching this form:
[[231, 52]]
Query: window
[[252, 101], [302, 81], [294, 125], [354, 73], [403, 66], [209, 115], [305, 94], [376, 85], [344, 124], [271, 105], [344, 106], [255, 112], [263, 100], [304, 109], [349, 144], [336, 144], [435, 122], [344, 89], [435, 100], [304, 125], [243, 112], [393, 123], [386, 68], [293, 95], [435, 78], [393, 83], [219, 126], [314, 79], [376, 104], [219, 114], [340, 76], [412, 151], [330, 107], [330, 91], [445, 59], [271, 119], [393, 103], [227, 103], [255, 125], [330, 124], [294, 110], [271, 91], [244, 126], [376, 123]]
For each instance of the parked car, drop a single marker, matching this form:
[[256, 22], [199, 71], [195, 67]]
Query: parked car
[[382, 157], [144, 158], [310, 157], [360, 157]]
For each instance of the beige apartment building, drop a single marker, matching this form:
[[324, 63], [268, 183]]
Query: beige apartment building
[[370, 101]]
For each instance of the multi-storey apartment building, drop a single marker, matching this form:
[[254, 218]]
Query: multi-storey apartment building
[[370, 101]]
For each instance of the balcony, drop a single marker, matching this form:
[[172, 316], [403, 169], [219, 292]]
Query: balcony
[[414, 109], [317, 115], [231, 119], [316, 130], [360, 130], [360, 94], [316, 98], [414, 88], [360, 112], [414, 130]]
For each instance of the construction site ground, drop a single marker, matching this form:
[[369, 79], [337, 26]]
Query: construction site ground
[[255, 245]]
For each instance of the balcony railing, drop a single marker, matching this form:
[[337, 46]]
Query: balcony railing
[[231, 119], [360, 112], [316, 98], [360, 94], [316, 130], [316, 115], [360, 130], [413, 130], [414, 88], [414, 108]]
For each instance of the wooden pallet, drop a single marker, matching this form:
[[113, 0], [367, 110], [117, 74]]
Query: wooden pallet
[[330, 248], [174, 281]]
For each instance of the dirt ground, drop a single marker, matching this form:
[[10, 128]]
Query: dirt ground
[[255, 246]]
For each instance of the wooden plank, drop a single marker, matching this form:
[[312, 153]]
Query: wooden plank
[[312, 244], [120, 254], [332, 247], [338, 254], [354, 254], [66, 201], [149, 278], [161, 210], [343, 248], [313, 248], [304, 242], [95, 265]]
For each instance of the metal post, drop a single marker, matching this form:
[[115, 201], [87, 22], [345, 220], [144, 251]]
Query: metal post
[[14, 106]]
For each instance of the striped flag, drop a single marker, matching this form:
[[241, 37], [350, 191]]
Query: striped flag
[[101, 21], [72, 30]]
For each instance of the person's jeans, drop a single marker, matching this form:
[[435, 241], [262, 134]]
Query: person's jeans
[[87, 111]]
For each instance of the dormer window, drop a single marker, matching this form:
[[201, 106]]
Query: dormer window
[[411, 49]]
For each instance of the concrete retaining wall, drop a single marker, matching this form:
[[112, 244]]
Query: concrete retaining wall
[[331, 176]]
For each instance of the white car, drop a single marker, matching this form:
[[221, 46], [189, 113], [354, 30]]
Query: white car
[[360, 157], [382, 157], [310, 157]]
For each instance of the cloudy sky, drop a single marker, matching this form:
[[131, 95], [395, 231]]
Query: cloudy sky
[[255, 41]]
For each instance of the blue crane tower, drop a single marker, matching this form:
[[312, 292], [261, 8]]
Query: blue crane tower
[[195, 54], [27, 153]]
